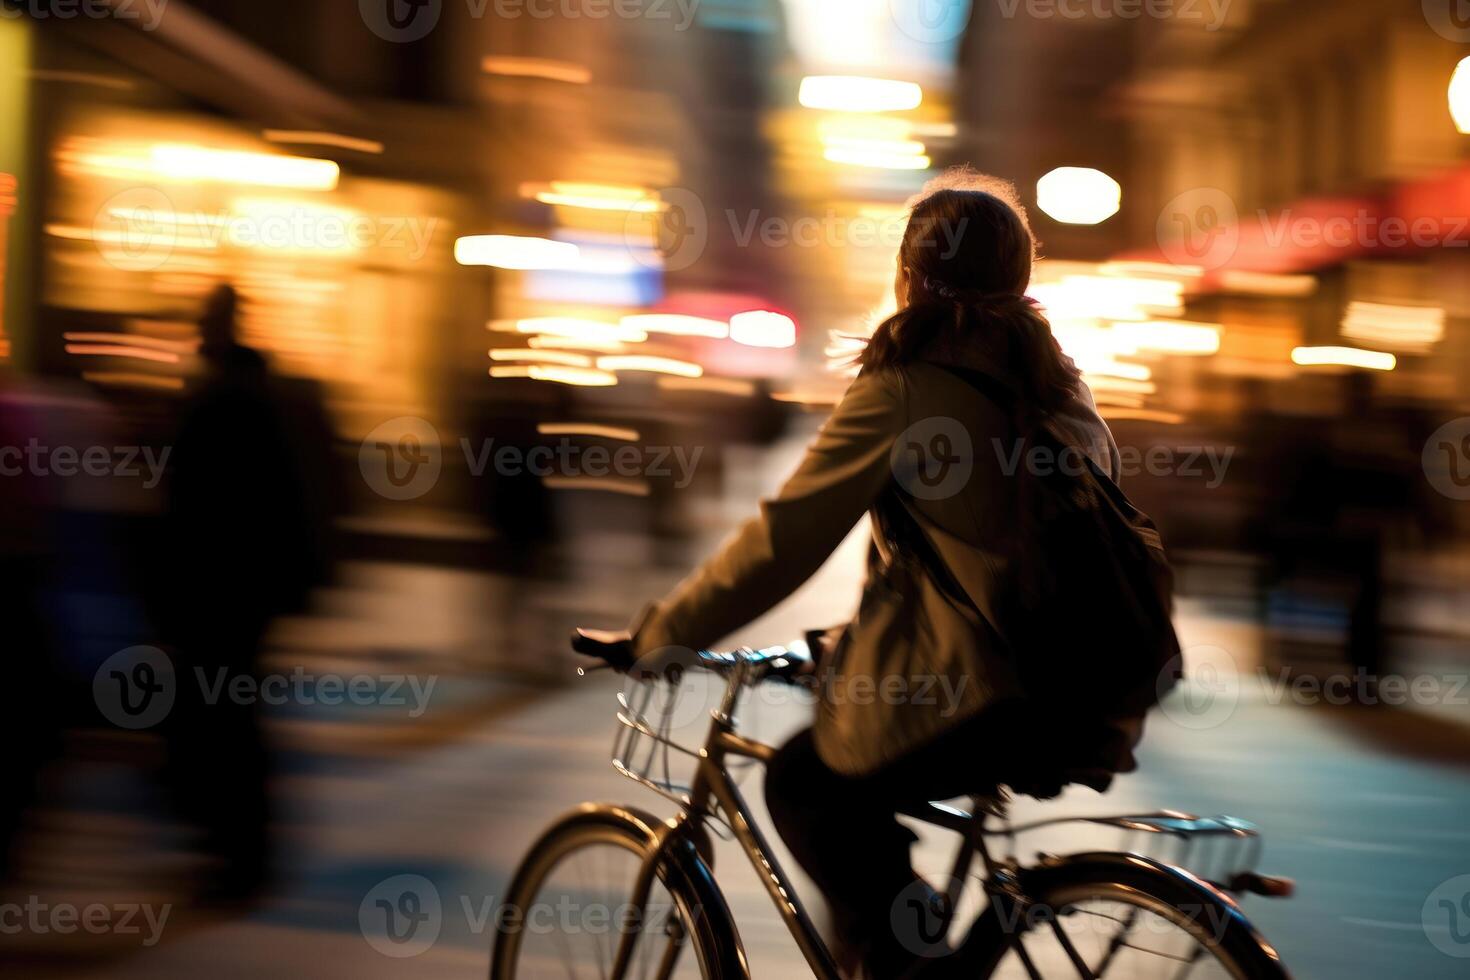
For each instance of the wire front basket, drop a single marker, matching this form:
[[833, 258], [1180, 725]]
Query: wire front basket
[[643, 742]]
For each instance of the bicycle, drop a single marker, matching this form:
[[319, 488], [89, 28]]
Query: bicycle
[[660, 912]]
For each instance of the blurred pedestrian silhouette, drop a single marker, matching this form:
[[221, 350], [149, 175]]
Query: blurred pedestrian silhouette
[[29, 727], [518, 508], [245, 531], [1343, 495]]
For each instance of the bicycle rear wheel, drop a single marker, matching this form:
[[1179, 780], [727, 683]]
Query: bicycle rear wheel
[[1095, 928], [1114, 916], [571, 905]]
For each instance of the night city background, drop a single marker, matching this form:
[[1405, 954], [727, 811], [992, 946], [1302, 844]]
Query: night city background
[[549, 293]]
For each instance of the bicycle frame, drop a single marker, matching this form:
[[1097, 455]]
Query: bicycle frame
[[712, 782], [1006, 884]]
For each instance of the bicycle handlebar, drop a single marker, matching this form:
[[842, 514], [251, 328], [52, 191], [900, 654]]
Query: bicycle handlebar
[[615, 649]]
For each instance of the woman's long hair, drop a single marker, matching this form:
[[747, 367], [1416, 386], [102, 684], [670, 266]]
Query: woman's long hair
[[967, 253]]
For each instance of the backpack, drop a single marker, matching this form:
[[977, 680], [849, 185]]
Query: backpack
[[1085, 612]]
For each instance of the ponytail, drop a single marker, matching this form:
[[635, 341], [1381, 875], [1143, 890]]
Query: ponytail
[[947, 320]]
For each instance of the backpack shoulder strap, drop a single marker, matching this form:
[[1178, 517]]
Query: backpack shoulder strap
[[988, 385], [1000, 393]]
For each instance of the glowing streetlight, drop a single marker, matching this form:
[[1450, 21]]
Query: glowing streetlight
[[854, 93], [515, 252], [1371, 360], [1460, 96], [1079, 195], [763, 328]]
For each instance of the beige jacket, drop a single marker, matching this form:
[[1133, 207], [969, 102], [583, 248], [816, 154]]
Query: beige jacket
[[890, 426]]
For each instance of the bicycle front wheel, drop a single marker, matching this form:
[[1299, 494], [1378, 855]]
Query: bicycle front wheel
[[571, 907]]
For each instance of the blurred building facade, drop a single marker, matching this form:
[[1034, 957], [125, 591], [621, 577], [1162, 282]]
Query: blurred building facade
[[1284, 286], [327, 165]]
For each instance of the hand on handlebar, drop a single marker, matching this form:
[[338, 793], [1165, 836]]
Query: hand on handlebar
[[792, 663], [613, 647]]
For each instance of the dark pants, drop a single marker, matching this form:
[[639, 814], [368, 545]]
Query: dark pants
[[843, 830], [218, 760]]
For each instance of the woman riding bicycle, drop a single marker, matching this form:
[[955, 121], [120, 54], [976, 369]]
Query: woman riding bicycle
[[936, 460]]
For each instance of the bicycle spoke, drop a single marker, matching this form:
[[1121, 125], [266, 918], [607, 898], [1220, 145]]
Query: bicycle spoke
[[1189, 966], [1112, 936], [588, 920], [1122, 943], [1071, 950], [1025, 958], [671, 954], [1118, 942]]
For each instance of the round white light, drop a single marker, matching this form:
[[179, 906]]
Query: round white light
[[854, 93], [1460, 96], [1079, 195], [763, 328]]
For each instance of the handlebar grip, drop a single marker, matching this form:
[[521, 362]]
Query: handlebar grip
[[615, 649]]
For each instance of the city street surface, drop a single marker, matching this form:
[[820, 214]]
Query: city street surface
[[1364, 808]]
